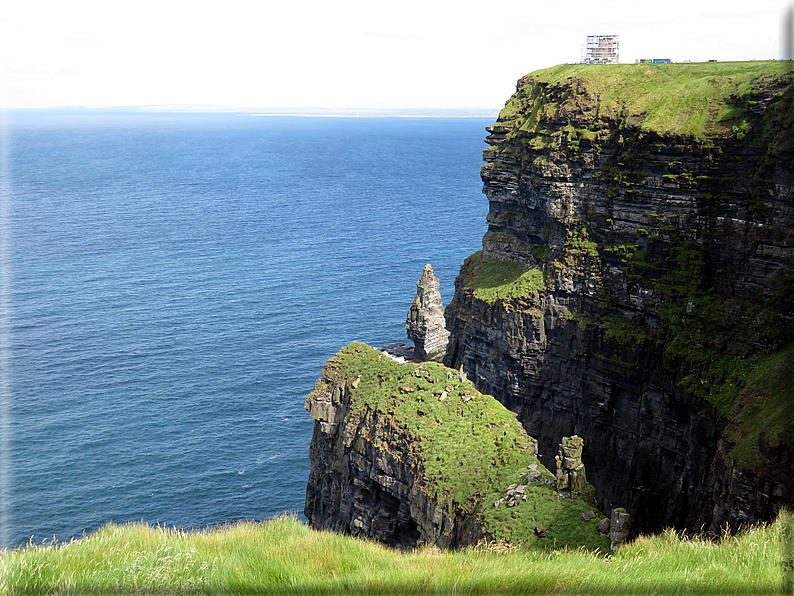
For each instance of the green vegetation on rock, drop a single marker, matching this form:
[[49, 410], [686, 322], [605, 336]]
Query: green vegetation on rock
[[470, 447], [579, 246], [502, 281], [663, 193], [711, 341], [284, 556], [699, 100], [708, 335], [704, 337]]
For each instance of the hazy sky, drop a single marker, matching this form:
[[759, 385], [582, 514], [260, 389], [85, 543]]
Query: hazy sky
[[349, 53]]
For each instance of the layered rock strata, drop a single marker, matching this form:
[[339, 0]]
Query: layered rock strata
[[661, 332], [425, 324], [618, 528]]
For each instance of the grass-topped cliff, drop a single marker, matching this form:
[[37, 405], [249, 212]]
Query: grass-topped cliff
[[464, 450], [637, 280], [569, 110], [704, 101]]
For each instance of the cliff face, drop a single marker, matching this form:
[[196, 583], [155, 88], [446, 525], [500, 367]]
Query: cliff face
[[413, 453], [636, 283]]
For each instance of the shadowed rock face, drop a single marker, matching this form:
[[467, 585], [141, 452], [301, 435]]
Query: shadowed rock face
[[365, 479], [425, 324], [665, 257]]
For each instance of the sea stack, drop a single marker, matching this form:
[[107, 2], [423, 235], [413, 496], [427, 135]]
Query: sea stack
[[425, 322]]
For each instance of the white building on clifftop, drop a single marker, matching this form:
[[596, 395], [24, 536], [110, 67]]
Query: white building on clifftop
[[601, 49]]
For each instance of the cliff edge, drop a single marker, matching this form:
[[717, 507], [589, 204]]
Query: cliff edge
[[636, 283]]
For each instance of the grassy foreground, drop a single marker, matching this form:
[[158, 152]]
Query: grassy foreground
[[284, 556]]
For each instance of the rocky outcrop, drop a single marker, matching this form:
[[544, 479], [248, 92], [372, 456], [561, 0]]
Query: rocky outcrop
[[661, 332], [571, 478], [365, 480], [425, 324], [410, 453], [618, 528]]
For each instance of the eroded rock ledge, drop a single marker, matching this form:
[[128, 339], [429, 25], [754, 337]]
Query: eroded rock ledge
[[413, 453]]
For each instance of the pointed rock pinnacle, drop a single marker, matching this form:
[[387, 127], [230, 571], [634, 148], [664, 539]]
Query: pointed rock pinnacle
[[425, 323]]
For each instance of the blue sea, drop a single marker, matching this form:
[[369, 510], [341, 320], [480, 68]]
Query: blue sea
[[172, 285]]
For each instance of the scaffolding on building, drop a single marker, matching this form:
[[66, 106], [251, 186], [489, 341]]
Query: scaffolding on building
[[601, 49]]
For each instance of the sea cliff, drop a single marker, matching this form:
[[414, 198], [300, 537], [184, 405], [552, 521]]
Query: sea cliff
[[635, 290], [636, 283]]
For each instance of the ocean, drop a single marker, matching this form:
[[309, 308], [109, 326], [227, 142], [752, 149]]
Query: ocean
[[172, 285]]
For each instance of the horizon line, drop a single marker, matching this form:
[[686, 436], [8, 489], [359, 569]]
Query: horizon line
[[269, 111]]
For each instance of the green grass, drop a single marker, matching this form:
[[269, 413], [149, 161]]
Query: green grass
[[579, 243], [502, 281], [699, 100], [284, 556], [470, 447]]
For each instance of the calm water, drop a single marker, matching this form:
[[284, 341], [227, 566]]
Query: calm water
[[173, 284]]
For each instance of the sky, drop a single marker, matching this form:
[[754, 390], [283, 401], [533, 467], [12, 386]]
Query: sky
[[345, 54]]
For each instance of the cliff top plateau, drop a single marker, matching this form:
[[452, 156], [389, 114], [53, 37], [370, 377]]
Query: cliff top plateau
[[702, 101]]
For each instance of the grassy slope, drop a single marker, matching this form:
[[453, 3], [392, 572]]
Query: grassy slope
[[765, 410], [284, 556], [470, 446], [500, 282]]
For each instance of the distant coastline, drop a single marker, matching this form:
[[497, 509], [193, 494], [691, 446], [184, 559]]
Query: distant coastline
[[306, 112]]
